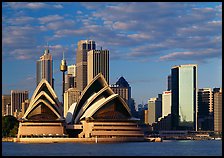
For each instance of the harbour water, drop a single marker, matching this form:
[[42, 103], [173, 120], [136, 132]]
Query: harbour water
[[165, 148]]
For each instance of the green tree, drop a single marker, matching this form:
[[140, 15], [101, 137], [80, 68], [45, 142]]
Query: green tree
[[9, 126]]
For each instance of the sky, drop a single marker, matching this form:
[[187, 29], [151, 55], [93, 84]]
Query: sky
[[145, 40]]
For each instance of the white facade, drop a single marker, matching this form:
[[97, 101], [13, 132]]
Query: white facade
[[72, 70], [166, 103]]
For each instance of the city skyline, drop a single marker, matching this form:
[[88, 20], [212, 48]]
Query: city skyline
[[143, 46]]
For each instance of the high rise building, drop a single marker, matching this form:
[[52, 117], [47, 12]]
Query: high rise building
[[17, 97], [184, 97], [72, 70], [6, 99], [154, 109], [166, 103], [205, 109], [169, 83], [69, 81], [70, 78], [81, 62], [218, 111], [70, 96], [98, 62], [45, 68]]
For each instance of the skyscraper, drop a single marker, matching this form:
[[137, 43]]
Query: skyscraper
[[154, 109], [184, 97], [72, 70], [81, 62], [166, 103], [98, 62], [218, 111], [205, 109], [17, 98], [6, 99], [45, 68], [169, 83]]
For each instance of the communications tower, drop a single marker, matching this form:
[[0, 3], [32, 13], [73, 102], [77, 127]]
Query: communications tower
[[63, 68]]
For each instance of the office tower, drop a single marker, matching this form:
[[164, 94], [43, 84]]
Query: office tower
[[17, 97], [72, 70], [122, 88], [63, 69], [69, 81], [81, 62], [98, 62], [6, 99], [8, 109], [205, 109], [166, 103], [45, 68], [70, 96], [70, 77], [218, 111], [184, 97], [155, 109], [169, 83]]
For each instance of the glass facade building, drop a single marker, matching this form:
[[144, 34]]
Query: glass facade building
[[184, 97]]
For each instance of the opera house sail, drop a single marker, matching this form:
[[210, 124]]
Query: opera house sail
[[44, 116], [103, 114]]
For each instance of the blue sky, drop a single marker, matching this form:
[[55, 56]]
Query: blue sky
[[145, 40]]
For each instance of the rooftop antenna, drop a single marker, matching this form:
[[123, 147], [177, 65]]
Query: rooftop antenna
[[47, 49]]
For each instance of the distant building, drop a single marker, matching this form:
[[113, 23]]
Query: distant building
[[184, 97], [70, 78], [45, 68], [146, 116], [9, 109], [6, 99], [218, 111], [169, 83], [166, 103], [81, 62], [155, 109], [72, 70], [205, 109], [98, 62], [69, 81], [70, 96], [17, 98]]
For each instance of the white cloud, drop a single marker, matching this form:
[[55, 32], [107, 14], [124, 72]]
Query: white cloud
[[50, 18], [32, 5]]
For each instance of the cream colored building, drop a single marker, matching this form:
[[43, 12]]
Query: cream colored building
[[166, 103], [6, 99], [98, 62], [218, 111], [70, 96]]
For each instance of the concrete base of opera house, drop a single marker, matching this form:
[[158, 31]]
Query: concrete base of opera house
[[78, 140]]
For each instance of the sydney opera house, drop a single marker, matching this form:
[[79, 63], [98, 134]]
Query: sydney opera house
[[99, 113]]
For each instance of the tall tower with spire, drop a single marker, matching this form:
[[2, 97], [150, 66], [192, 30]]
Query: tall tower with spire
[[45, 67], [63, 68]]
